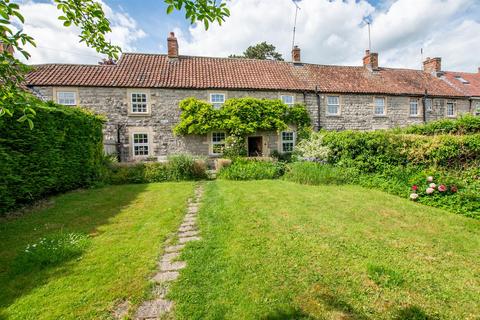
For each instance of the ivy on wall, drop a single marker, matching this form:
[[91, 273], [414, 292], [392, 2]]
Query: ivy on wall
[[240, 116]]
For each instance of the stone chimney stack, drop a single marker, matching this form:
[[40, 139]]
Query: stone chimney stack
[[370, 60], [172, 45], [432, 65], [296, 58], [7, 48]]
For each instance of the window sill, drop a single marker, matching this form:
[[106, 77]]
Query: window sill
[[380, 116], [139, 114], [333, 115], [415, 117]]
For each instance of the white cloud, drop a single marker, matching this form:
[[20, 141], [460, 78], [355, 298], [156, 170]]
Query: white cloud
[[333, 32], [56, 43]]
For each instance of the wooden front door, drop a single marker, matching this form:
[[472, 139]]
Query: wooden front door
[[255, 146]]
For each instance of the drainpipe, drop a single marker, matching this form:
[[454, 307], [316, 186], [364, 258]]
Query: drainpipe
[[318, 108], [424, 102], [471, 105], [118, 144]]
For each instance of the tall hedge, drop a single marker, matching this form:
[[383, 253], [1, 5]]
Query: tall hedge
[[62, 152]]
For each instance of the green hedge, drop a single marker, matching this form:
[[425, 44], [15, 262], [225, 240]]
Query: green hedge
[[62, 152], [252, 169], [466, 124], [178, 167]]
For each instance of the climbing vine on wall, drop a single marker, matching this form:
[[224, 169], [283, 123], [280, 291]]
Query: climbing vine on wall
[[240, 116]]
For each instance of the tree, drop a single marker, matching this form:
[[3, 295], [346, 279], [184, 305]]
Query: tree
[[261, 51], [90, 18]]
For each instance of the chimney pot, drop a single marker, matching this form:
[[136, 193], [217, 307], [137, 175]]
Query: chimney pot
[[7, 48], [432, 65], [172, 46], [370, 60], [296, 54]]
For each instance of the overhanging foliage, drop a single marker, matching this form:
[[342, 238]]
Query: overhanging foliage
[[240, 116]]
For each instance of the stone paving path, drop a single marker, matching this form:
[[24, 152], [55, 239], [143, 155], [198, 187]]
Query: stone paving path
[[169, 265]]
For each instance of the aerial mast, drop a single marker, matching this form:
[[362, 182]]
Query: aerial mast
[[295, 22]]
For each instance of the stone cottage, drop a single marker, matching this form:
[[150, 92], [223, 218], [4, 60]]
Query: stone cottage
[[140, 95]]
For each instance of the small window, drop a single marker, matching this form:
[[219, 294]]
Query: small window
[[333, 105], [379, 106], [217, 100], [139, 103], [288, 141], [67, 98], [140, 144], [462, 80], [450, 109], [288, 100], [429, 104], [413, 107], [477, 109], [218, 142]]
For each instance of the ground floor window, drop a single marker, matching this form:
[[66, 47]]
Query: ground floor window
[[288, 141], [140, 144], [429, 104], [450, 109], [218, 142], [477, 109], [414, 107]]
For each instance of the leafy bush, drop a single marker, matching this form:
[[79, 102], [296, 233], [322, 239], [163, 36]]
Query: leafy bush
[[62, 152], [252, 169], [466, 124], [50, 250], [316, 173], [178, 167]]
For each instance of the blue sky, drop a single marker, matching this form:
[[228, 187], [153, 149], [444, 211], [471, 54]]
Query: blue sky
[[328, 31]]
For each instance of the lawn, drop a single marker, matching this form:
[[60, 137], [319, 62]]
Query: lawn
[[280, 250], [126, 227]]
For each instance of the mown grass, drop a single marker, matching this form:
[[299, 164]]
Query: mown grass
[[126, 227], [280, 250]]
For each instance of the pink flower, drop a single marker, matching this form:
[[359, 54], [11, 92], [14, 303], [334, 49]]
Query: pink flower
[[414, 187], [453, 188], [432, 185], [414, 196], [429, 178], [429, 190], [442, 188]]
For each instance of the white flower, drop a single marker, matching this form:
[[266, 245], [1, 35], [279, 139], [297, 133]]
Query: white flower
[[432, 185], [429, 190], [429, 178], [414, 196]]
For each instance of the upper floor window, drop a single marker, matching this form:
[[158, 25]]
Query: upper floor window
[[68, 98], [414, 107], [333, 105], [450, 109], [429, 104], [139, 103], [140, 144], [218, 142], [217, 100], [288, 141], [288, 100], [379, 106]]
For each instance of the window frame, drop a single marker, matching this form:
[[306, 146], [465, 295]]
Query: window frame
[[283, 141], [429, 108], [454, 109], [384, 113], [288, 95], [59, 92], [216, 143], [416, 100], [327, 112], [476, 110], [147, 106], [214, 104], [142, 144]]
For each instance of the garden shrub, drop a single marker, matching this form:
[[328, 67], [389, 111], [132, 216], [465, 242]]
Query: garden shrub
[[465, 124], [177, 168], [317, 173], [252, 169], [63, 151]]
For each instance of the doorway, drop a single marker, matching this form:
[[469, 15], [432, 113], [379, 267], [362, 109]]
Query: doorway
[[255, 146]]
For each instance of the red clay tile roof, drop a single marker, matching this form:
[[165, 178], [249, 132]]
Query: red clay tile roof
[[472, 88], [158, 71]]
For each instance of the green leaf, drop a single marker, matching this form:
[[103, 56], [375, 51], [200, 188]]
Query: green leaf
[[170, 9]]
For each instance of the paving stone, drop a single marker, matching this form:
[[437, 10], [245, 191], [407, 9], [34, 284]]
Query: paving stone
[[153, 309], [172, 266], [187, 228], [188, 233], [166, 276], [187, 220], [175, 248], [187, 239], [170, 256], [190, 216]]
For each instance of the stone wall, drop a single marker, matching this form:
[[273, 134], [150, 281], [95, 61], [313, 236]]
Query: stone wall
[[357, 113]]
